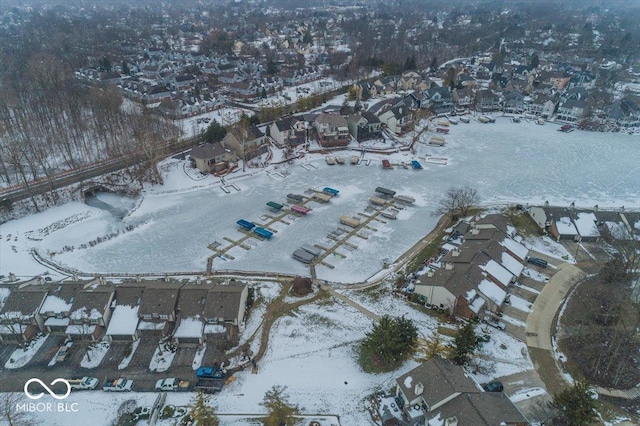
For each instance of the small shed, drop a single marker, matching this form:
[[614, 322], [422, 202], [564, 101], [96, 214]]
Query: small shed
[[302, 286]]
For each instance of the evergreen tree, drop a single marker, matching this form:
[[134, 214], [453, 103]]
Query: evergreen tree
[[202, 413], [434, 64], [214, 133], [574, 405], [465, 343], [345, 108], [391, 342], [279, 411], [125, 68], [272, 67]]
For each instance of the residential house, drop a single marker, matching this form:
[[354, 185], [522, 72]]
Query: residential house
[[439, 391], [396, 118], [19, 317], [572, 110], [486, 100], [624, 113], [463, 98], [56, 309], [192, 298], [157, 310], [439, 99], [288, 131], [242, 89], [123, 326], [246, 143], [514, 103], [541, 105], [364, 126], [90, 312], [211, 157], [332, 130], [225, 308]]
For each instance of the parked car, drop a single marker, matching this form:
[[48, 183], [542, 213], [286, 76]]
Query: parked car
[[537, 261], [493, 387], [172, 384], [118, 385], [85, 383], [63, 351], [210, 372], [495, 323]]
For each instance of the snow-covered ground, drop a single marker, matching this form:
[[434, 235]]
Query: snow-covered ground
[[95, 354], [20, 357], [507, 162]]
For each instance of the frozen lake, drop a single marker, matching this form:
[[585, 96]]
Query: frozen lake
[[506, 162]]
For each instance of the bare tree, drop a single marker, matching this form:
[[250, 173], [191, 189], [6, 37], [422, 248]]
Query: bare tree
[[457, 201], [9, 410]]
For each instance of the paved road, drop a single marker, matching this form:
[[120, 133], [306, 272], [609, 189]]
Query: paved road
[[540, 325]]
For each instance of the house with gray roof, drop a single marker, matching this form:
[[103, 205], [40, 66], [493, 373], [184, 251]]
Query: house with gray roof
[[332, 130], [90, 312], [211, 157], [364, 126], [157, 311], [56, 309], [123, 326], [572, 110], [288, 131], [245, 143], [19, 319], [441, 392]]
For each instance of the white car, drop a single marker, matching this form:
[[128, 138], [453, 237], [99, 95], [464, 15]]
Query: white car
[[86, 383]]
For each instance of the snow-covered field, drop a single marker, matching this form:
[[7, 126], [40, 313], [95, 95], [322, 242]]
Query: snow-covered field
[[507, 162]]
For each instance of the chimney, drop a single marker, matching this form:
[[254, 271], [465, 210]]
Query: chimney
[[166, 278], [546, 204], [572, 205], [475, 231], [448, 266], [455, 252], [138, 279], [419, 389], [595, 208], [74, 277]]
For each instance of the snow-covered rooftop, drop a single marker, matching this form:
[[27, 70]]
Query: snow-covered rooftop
[[565, 226], [498, 272], [189, 327], [512, 264], [515, 248], [53, 303], [124, 321], [586, 224], [492, 291]]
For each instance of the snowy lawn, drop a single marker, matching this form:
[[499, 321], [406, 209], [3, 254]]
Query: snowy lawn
[[95, 354], [549, 247], [163, 357], [313, 352], [125, 362], [21, 357], [197, 359], [528, 393], [501, 356]]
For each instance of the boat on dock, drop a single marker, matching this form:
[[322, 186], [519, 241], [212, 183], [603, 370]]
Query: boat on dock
[[442, 130], [443, 122], [331, 160], [515, 119], [416, 164], [437, 140], [355, 159], [453, 120], [389, 214], [464, 119], [566, 128], [340, 160], [540, 121]]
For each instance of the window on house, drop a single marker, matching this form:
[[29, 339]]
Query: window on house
[[164, 317]]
